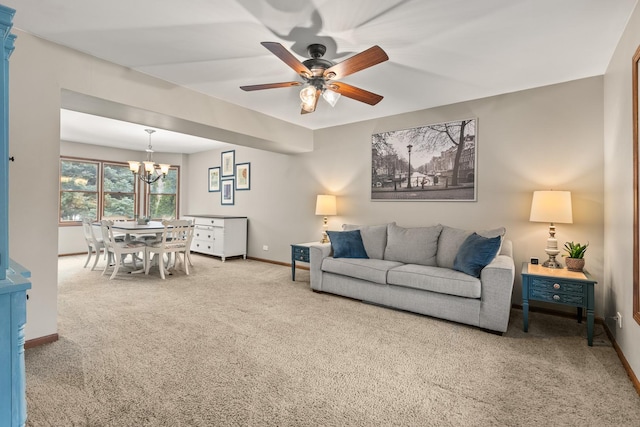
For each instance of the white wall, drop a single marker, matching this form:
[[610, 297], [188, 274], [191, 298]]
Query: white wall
[[618, 157]]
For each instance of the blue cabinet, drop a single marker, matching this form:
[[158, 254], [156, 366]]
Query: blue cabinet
[[13, 317], [14, 279]]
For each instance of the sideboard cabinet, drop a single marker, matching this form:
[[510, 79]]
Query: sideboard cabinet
[[221, 236], [14, 279]]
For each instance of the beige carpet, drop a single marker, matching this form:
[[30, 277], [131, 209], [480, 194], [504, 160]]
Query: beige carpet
[[239, 344]]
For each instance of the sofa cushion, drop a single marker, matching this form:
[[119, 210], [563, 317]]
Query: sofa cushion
[[452, 238], [374, 238], [347, 244], [416, 245], [435, 279], [372, 270], [475, 253]]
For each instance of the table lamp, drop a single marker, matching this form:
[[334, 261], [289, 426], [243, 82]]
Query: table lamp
[[325, 205], [551, 207]]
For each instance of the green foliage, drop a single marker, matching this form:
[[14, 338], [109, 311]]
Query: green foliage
[[80, 176], [118, 178], [162, 206], [76, 205], [167, 185], [575, 250]]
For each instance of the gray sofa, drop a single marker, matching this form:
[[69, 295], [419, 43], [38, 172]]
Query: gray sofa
[[413, 269]]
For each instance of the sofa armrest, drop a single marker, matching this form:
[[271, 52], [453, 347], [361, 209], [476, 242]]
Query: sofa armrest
[[497, 286], [317, 253]]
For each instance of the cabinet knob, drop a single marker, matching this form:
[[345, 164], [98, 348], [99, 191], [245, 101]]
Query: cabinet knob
[[556, 297], [556, 286]]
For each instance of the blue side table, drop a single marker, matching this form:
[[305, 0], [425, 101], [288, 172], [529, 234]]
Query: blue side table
[[299, 253], [558, 286]]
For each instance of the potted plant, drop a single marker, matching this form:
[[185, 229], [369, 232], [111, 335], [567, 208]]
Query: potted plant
[[575, 257]]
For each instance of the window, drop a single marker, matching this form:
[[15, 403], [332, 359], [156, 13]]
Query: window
[[79, 190], [119, 191], [163, 197], [97, 189]]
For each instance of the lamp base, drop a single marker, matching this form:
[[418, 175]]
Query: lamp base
[[552, 263]]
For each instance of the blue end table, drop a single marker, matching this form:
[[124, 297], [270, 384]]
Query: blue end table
[[299, 253], [558, 286]]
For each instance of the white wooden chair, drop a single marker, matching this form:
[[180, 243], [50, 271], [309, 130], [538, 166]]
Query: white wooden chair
[[176, 239], [118, 250], [94, 244]]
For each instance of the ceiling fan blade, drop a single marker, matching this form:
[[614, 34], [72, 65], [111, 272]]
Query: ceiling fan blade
[[315, 103], [269, 86], [355, 93], [368, 58], [287, 57]]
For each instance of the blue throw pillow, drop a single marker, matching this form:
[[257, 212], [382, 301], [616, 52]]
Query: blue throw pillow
[[347, 244], [476, 253]]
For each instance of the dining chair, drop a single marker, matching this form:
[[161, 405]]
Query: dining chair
[[176, 239], [94, 244], [118, 250]]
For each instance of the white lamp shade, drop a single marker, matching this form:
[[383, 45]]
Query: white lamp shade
[[325, 204], [164, 168], [552, 207], [134, 166], [149, 167]]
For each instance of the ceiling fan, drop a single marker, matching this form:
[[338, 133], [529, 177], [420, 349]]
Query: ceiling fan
[[319, 75]]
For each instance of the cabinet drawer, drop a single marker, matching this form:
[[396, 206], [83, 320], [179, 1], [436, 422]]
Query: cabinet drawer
[[212, 222], [203, 233], [557, 297], [301, 253], [202, 246], [556, 286]]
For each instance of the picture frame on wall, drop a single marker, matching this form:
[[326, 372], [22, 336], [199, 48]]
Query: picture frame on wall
[[227, 195], [243, 176], [214, 179], [436, 162], [228, 160]]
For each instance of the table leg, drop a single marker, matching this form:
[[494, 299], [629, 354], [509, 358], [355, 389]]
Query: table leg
[[293, 269], [590, 317], [579, 314], [525, 314]]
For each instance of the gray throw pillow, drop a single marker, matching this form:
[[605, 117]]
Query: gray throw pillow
[[374, 238], [416, 245], [452, 238]]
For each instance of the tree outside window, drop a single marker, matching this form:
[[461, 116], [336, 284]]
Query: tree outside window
[[119, 191], [163, 197], [78, 190]]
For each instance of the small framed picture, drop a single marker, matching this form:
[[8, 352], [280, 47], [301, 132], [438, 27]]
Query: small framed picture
[[243, 176], [226, 193], [214, 179], [228, 162]]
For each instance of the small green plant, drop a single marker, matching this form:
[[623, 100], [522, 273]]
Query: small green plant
[[575, 250]]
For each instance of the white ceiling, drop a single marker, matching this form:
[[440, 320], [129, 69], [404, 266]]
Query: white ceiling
[[440, 51]]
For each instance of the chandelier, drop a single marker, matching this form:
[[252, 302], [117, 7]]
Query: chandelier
[[147, 171]]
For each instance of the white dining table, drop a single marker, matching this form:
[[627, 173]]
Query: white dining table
[[132, 227]]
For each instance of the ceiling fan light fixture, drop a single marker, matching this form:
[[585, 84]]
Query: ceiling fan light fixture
[[308, 94], [330, 96]]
